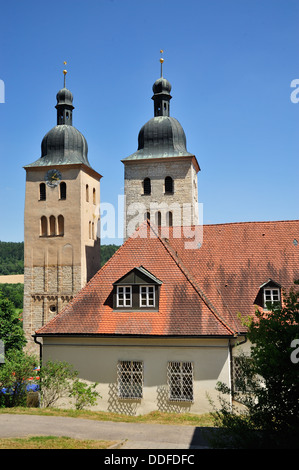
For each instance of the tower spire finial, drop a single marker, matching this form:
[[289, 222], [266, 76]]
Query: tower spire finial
[[161, 62], [64, 73]]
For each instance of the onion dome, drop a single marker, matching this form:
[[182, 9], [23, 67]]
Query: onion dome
[[63, 144], [162, 136]]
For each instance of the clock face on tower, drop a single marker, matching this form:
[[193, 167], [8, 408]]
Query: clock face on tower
[[53, 178]]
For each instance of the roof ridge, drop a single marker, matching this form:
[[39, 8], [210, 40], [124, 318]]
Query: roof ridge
[[252, 222]]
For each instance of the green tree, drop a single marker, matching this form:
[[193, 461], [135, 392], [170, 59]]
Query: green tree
[[11, 258], [106, 252], [269, 383], [11, 330], [14, 293], [15, 373]]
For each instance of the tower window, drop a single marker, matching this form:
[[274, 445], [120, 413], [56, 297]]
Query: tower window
[[63, 190], [43, 226], [158, 219], [94, 195], [60, 225], [146, 186], [169, 219], [52, 226], [87, 193], [42, 192], [168, 185], [147, 216]]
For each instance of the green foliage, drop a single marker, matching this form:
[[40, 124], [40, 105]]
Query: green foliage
[[85, 395], [14, 293], [14, 377], [11, 258], [60, 380], [106, 252], [11, 330], [269, 388]]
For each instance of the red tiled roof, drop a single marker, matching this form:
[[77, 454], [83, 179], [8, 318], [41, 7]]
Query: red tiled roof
[[203, 288]]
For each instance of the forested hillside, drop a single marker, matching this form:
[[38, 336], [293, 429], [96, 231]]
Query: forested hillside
[[12, 256]]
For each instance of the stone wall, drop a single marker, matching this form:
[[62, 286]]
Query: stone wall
[[182, 202]]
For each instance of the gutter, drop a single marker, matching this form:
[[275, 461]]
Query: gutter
[[40, 349]]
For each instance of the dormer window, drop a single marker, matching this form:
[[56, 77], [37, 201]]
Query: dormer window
[[271, 296], [124, 296], [147, 296], [137, 290], [269, 293]]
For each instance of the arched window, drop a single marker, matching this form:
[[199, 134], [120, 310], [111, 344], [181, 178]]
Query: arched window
[[89, 230], [87, 193], [42, 192], [169, 219], [146, 186], [52, 226], [94, 195], [63, 190], [168, 185], [60, 225], [158, 219], [147, 216], [43, 226]]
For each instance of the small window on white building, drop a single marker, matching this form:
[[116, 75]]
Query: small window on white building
[[124, 296], [147, 296], [180, 380], [130, 379]]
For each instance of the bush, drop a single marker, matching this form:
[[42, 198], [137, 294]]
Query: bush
[[56, 378], [60, 380], [85, 395], [14, 378]]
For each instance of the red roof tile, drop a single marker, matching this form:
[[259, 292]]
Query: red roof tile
[[203, 288]]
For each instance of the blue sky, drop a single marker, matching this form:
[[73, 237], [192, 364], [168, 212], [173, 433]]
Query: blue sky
[[230, 64]]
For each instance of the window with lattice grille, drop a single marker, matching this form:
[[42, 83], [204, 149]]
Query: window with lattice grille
[[239, 379], [130, 379], [180, 381]]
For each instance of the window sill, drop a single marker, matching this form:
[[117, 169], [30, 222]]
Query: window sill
[[135, 310], [51, 236]]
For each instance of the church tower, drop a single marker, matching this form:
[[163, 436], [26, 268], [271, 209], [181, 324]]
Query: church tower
[[62, 211], [161, 176]]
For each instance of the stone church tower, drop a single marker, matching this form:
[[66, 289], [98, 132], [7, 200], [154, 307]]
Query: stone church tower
[[62, 211], [161, 176]]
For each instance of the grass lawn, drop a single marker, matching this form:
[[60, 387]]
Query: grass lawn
[[53, 442]]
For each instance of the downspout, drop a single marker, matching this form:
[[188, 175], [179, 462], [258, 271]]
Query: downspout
[[40, 349]]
